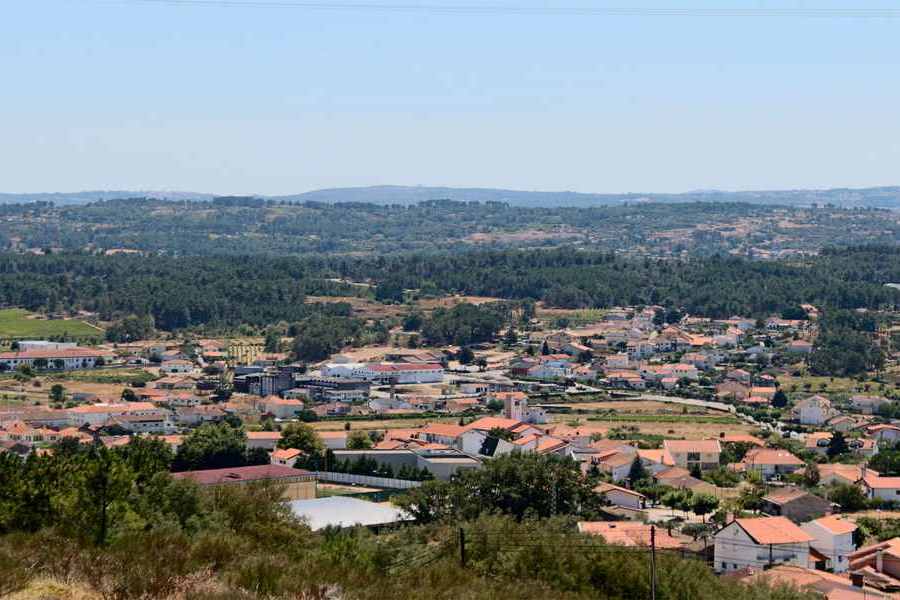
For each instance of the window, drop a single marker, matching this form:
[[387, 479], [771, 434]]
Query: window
[[693, 456]]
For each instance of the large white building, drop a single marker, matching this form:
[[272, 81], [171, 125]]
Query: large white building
[[97, 414], [52, 358], [401, 373], [760, 542]]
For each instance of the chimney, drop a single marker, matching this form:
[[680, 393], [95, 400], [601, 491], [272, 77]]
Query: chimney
[[856, 579]]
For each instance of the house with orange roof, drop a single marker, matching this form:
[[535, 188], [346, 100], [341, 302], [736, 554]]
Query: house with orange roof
[[884, 488], [694, 454], [769, 462], [286, 457], [633, 534], [837, 473], [833, 537], [617, 464], [263, 439], [879, 562], [741, 438], [760, 542], [440, 433], [620, 496], [884, 432], [825, 585]]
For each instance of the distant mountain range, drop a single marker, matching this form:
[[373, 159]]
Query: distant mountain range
[[877, 197]]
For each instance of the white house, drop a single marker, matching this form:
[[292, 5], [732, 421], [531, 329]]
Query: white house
[[770, 462], [833, 538], [867, 405], [97, 414], [286, 457], [815, 410], [281, 408], [760, 542], [621, 496], [884, 488], [884, 432], [687, 454], [174, 367]]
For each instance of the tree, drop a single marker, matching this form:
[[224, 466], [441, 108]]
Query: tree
[[811, 475], [520, 485], [302, 437], [465, 355], [677, 499], [510, 338], [146, 457], [212, 447], [637, 472], [849, 497], [99, 495], [128, 395], [779, 399], [58, 393], [837, 445], [703, 504], [545, 348], [358, 440], [272, 341], [413, 321]]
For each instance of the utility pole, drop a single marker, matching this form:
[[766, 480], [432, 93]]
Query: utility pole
[[462, 547], [770, 556], [652, 562]]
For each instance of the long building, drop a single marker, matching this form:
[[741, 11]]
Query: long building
[[401, 373], [54, 358]]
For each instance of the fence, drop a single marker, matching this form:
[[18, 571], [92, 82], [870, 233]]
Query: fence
[[367, 480]]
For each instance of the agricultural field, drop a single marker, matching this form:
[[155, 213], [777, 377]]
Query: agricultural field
[[653, 418], [17, 323], [375, 423], [811, 384]]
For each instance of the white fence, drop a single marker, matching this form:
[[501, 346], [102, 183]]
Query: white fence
[[367, 480]]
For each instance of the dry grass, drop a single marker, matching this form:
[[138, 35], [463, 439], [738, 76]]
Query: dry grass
[[50, 589]]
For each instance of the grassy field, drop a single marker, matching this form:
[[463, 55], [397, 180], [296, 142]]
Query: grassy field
[[16, 323], [812, 384], [108, 376]]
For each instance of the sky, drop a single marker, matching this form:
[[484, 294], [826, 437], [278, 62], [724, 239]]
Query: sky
[[266, 99]]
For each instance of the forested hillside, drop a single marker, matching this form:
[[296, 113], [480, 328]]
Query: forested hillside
[[192, 291], [244, 226]]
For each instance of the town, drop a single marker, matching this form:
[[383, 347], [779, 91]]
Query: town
[[716, 438]]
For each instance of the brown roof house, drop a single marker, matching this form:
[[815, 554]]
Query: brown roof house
[[299, 484], [795, 504]]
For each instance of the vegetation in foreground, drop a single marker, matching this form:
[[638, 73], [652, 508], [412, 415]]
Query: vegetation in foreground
[[112, 524]]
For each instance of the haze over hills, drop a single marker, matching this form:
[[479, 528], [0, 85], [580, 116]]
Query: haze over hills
[[875, 197]]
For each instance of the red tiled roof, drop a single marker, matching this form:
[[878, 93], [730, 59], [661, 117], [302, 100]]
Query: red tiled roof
[[773, 530], [50, 354], [628, 533], [241, 474]]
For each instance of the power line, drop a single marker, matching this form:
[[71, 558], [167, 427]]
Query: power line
[[520, 10]]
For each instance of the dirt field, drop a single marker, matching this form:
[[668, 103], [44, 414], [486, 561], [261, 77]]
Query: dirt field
[[676, 430], [428, 304], [362, 307], [641, 407], [382, 423]]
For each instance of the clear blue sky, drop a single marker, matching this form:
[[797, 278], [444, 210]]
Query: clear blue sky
[[125, 95]]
